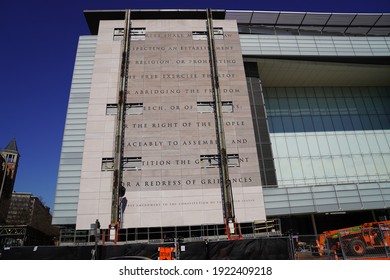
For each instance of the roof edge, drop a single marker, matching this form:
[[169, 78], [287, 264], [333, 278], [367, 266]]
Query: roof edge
[[93, 17]]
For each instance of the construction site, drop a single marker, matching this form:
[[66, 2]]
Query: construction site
[[369, 241], [203, 135]]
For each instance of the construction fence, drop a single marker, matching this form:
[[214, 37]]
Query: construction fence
[[268, 248], [369, 243]]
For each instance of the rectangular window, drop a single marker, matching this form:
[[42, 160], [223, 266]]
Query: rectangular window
[[118, 34], [131, 109], [218, 33], [227, 107], [107, 164], [209, 161], [202, 35], [134, 108], [199, 35], [233, 160], [112, 109], [10, 158], [212, 161], [137, 34], [205, 107], [208, 106], [132, 163]]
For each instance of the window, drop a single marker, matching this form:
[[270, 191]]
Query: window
[[205, 107], [132, 163], [137, 34], [118, 34], [209, 161], [134, 108], [218, 33], [107, 164], [212, 161], [227, 107], [131, 109], [199, 35], [233, 160], [112, 109], [10, 158], [202, 35], [208, 106]]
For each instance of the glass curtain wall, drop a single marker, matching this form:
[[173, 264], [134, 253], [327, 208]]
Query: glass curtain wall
[[329, 135]]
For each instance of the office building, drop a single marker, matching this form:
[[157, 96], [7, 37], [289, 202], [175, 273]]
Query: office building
[[195, 122], [28, 223]]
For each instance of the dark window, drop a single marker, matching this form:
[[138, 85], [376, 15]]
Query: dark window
[[107, 164]]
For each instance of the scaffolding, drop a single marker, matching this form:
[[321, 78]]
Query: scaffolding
[[156, 235]]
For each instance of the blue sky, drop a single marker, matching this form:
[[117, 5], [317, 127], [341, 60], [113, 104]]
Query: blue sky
[[37, 51]]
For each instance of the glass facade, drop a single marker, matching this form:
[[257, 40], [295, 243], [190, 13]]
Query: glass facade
[[329, 135], [253, 44], [68, 181]]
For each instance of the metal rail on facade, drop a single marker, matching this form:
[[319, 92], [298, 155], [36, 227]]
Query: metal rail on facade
[[227, 194], [119, 137]]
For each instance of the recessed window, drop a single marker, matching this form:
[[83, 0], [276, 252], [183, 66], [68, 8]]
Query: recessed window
[[118, 34], [205, 107], [132, 163], [218, 33], [227, 106], [202, 35], [209, 161], [137, 34], [107, 164], [212, 161], [112, 109], [233, 160], [131, 109], [134, 108], [199, 35], [10, 158], [208, 106]]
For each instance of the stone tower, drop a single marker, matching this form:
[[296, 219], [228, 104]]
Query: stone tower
[[9, 160]]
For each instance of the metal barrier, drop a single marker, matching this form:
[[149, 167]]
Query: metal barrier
[[155, 235]]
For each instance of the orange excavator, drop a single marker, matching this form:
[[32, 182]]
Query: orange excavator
[[357, 240]]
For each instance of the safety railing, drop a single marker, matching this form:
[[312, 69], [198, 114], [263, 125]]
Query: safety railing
[[211, 232]]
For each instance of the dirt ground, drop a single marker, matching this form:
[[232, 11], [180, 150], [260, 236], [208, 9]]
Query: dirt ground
[[309, 256]]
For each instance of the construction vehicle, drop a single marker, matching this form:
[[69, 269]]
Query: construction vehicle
[[356, 241]]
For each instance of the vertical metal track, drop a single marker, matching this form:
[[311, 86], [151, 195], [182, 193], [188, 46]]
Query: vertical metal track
[[119, 137], [227, 194]]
